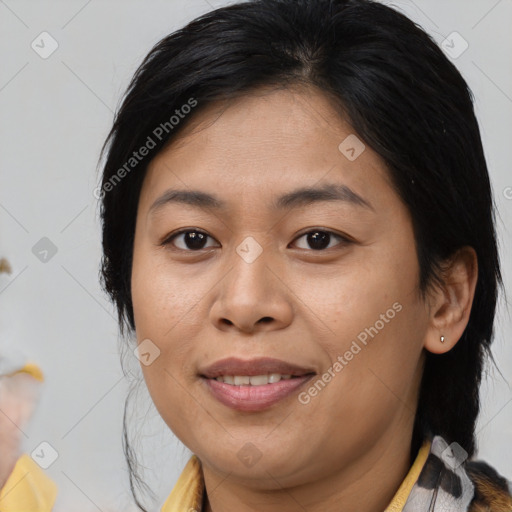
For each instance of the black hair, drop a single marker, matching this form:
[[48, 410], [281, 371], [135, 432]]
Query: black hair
[[403, 98]]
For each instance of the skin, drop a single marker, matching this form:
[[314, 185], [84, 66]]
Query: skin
[[197, 307]]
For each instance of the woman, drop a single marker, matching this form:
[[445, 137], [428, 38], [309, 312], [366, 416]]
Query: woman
[[298, 234]]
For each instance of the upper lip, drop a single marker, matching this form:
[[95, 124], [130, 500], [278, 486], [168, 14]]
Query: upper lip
[[251, 367]]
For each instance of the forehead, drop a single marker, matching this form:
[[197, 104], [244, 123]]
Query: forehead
[[267, 142]]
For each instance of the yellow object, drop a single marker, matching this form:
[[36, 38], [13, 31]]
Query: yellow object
[[399, 499], [31, 369], [28, 488], [187, 494]]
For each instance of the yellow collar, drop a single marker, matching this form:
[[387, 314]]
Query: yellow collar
[[188, 492]]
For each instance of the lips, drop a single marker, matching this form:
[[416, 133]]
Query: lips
[[229, 382], [253, 367]]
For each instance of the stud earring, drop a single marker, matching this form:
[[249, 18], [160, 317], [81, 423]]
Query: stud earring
[[442, 339]]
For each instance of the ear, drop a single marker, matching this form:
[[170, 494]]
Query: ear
[[450, 304]]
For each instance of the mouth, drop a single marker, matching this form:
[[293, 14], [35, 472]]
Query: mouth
[[253, 385], [254, 380]]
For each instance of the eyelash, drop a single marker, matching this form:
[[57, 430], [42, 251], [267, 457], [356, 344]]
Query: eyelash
[[168, 240]]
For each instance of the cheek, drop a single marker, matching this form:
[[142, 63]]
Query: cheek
[[377, 323], [166, 309], [369, 296], [163, 297]]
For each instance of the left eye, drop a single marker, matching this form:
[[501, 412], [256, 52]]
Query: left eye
[[320, 239], [195, 240]]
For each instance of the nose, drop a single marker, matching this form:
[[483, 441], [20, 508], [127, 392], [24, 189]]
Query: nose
[[253, 296]]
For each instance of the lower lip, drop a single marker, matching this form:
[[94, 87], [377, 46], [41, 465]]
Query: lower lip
[[254, 398]]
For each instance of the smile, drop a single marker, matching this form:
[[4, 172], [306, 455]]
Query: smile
[[249, 397], [253, 380]]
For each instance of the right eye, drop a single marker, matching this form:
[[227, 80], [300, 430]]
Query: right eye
[[193, 240]]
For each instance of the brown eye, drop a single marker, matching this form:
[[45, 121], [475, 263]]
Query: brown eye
[[191, 240], [318, 239]]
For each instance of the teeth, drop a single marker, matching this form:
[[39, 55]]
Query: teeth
[[274, 377], [256, 380]]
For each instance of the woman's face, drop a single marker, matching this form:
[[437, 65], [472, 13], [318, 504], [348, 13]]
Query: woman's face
[[324, 282]]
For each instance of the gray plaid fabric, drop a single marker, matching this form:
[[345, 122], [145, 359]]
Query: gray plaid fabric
[[444, 484]]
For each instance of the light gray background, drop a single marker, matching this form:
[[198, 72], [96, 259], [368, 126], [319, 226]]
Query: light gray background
[[55, 114]]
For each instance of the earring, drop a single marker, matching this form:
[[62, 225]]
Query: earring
[[442, 339]]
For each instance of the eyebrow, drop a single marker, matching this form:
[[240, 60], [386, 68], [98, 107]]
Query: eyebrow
[[294, 199]]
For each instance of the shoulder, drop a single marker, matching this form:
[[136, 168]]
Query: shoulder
[[493, 492]]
